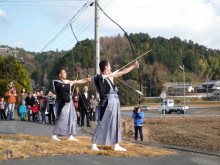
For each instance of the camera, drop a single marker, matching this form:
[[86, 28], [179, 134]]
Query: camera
[[136, 109]]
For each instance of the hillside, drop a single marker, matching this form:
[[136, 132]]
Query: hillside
[[159, 66]]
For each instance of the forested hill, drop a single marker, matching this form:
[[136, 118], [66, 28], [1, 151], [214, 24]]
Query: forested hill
[[159, 66]]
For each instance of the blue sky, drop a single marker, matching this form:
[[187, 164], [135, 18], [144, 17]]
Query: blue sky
[[32, 25]]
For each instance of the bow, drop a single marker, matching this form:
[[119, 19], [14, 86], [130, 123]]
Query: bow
[[130, 46], [132, 61], [87, 64]]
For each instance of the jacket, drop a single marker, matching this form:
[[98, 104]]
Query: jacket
[[4, 103], [84, 102], [34, 109], [23, 109], [30, 101], [138, 118], [11, 98]]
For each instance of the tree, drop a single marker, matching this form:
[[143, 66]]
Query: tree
[[11, 69], [156, 84]]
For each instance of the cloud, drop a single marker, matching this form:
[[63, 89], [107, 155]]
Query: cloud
[[17, 43], [2, 13], [3, 17], [197, 20]]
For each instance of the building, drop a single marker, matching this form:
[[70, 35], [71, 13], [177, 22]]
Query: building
[[188, 88], [209, 86], [216, 95], [6, 51]]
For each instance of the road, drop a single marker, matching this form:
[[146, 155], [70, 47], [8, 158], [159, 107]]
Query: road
[[154, 113], [184, 158]]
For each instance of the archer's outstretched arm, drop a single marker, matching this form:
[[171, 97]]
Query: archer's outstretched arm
[[83, 81], [124, 71]]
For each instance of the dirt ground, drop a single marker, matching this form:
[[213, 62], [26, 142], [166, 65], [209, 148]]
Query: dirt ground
[[196, 132]]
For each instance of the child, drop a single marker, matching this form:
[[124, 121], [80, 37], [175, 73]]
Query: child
[[138, 116], [34, 113], [23, 111], [10, 86], [3, 107]]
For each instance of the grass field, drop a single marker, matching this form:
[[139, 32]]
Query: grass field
[[197, 132], [209, 112]]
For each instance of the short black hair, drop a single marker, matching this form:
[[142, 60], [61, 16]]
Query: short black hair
[[59, 72], [103, 64]]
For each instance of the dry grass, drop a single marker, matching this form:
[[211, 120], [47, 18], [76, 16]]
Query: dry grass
[[24, 146], [196, 132]]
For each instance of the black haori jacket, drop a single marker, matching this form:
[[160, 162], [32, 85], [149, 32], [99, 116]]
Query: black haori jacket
[[63, 94]]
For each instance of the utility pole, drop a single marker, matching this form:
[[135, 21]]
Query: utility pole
[[207, 90], [184, 90], [184, 87], [97, 41]]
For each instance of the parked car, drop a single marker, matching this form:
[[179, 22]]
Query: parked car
[[145, 107]]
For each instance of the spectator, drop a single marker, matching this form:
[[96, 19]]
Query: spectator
[[11, 103], [93, 104], [37, 102], [3, 107], [84, 106], [43, 106], [23, 110], [22, 97], [34, 113], [35, 94], [50, 103], [30, 101], [10, 86], [138, 116], [76, 103]]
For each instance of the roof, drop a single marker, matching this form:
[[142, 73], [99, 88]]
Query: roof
[[218, 91], [181, 86], [212, 82]]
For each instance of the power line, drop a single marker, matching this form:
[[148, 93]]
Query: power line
[[66, 26], [31, 1], [40, 6], [51, 28], [80, 29]]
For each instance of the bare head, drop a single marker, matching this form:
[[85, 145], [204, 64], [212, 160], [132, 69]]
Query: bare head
[[12, 89], [105, 66], [77, 90], [92, 96], [85, 89], [29, 95], [2, 99], [62, 74], [23, 90], [38, 93]]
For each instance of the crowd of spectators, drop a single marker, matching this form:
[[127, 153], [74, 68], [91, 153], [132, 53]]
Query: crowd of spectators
[[34, 106]]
